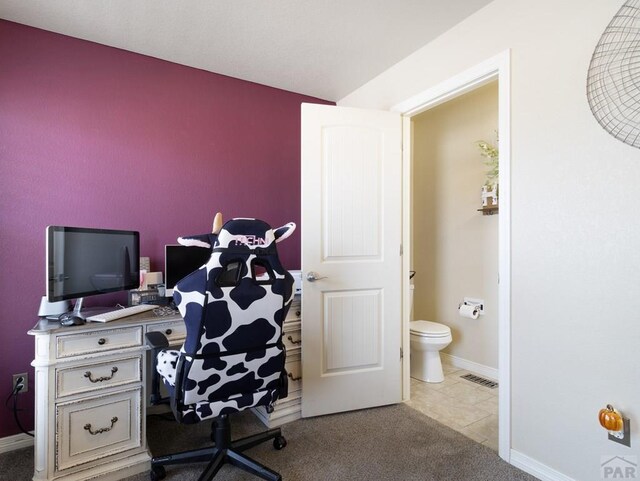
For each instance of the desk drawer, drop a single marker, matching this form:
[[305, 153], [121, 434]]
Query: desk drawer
[[95, 376], [292, 337], [98, 341], [174, 330], [295, 311], [97, 427], [294, 373]]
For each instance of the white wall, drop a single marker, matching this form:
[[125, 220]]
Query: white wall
[[575, 224], [455, 247]]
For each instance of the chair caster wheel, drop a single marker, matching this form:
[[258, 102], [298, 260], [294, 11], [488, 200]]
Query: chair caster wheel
[[279, 442], [157, 473]]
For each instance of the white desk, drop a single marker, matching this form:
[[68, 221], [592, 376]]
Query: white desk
[[91, 397], [91, 394]]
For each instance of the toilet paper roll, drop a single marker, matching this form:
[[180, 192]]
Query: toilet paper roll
[[469, 311]]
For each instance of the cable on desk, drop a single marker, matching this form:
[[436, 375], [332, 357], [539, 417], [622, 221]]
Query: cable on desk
[[165, 311]]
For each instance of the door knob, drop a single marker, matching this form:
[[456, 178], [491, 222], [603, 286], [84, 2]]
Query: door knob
[[314, 276]]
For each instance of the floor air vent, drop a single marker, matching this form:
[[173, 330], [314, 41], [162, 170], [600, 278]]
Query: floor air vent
[[480, 380]]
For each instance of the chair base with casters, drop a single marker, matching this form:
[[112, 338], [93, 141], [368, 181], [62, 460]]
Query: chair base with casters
[[223, 451]]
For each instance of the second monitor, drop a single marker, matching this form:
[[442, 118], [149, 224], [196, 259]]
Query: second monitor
[[180, 261]]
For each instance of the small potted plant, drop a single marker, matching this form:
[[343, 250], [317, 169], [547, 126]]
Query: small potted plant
[[490, 187]]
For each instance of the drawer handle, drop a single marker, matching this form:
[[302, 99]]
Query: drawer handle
[[294, 342], [102, 341], [114, 370], [87, 427], [168, 332], [298, 313], [290, 376]]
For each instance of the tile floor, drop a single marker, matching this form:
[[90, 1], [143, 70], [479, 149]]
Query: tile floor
[[467, 407]]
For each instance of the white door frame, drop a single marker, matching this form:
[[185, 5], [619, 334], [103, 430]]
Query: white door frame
[[497, 67]]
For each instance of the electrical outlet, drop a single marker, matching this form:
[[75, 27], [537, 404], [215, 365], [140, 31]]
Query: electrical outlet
[[22, 378]]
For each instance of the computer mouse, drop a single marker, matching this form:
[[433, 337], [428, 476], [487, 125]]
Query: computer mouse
[[71, 320]]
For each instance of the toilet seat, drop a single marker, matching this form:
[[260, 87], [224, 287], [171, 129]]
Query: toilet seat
[[428, 329]]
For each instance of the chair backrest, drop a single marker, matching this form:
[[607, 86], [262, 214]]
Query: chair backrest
[[233, 307]]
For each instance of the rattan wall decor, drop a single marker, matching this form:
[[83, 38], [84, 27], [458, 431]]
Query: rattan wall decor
[[613, 80]]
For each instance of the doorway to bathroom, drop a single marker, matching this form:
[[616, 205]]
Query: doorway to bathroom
[[457, 251], [454, 254]]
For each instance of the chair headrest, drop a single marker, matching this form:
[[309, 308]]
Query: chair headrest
[[241, 232]]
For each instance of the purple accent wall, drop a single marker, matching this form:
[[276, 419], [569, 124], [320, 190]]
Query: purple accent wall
[[94, 136]]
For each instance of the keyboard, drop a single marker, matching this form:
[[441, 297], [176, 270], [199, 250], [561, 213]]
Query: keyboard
[[120, 313]]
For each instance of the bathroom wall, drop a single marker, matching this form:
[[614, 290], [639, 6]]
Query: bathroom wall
[[455, 247]]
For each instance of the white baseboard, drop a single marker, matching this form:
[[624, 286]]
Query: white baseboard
[[474, 367], [17, 441], [536, 468]]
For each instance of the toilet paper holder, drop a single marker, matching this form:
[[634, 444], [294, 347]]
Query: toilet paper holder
[[470, 301]]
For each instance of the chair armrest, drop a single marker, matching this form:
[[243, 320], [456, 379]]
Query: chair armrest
[[156, 340], [283, 390]]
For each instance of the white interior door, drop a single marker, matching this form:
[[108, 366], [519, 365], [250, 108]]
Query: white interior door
[[351, 240]]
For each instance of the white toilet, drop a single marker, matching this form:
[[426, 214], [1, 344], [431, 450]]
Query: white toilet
[[427, 338]]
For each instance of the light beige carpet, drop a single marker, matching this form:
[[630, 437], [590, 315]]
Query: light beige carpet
[[388, 443]]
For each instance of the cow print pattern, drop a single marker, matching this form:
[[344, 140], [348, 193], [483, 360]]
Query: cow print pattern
[[233, 306], [166, 363]]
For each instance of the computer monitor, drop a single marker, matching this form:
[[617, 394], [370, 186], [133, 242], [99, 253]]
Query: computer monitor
[[180, 261], [85, 262]]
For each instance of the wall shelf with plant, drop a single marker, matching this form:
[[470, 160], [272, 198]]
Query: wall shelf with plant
[[490, 188]]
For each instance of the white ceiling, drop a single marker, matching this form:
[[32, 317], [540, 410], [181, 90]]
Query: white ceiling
[[322, 48]]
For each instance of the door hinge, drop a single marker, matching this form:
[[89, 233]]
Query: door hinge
[[401, 353], [401, 249]]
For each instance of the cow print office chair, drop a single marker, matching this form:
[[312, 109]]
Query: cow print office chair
[[233, 357]]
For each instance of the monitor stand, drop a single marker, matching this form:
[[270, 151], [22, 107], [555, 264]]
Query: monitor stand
[[78, 311], [78, 307]]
